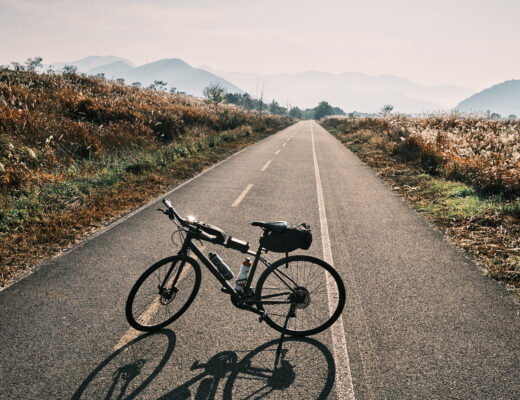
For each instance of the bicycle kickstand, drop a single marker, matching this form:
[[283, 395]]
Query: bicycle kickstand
[[290, 314]]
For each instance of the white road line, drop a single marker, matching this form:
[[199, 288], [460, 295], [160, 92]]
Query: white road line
[[266, 165], [242, 195], [277, 151], [344, 386], [284, 144]]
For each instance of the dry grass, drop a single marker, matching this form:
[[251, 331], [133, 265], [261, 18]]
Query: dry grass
[[482, 153], [77, 151], [462, 178]]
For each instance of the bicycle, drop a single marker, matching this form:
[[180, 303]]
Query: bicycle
[[299, 295]]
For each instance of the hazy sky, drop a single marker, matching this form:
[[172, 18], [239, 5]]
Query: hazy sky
[[473, 43]]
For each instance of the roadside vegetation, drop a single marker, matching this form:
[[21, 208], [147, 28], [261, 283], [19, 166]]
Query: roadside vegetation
[[462, 173], [77, 151]]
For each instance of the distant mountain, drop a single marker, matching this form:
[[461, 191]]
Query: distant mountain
[[350, 91], [178, 74], [88, 63], [175, 72], [113, 70], [503, 98]]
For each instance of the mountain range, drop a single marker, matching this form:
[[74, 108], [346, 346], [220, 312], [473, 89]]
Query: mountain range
[[175, 72], [503, 98], [88, 63], [350, 91]]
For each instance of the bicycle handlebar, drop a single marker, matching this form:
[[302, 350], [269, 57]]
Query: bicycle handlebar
[[172, 212], [204, 232]]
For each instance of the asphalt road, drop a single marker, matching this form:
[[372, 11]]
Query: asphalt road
[[421, 321]]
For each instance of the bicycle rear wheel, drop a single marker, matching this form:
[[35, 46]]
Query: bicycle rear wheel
[[307, 284], [162, 293]]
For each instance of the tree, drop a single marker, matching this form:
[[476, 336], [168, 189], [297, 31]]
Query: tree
[[386, 109], [247, 101], [338, 111], [295, 112], [136, 84], [275, 108], [16, 66], [70, 69], [233, 98], [261, 101], [214, 92], [322, 110], [33, 63], [308, 113], [173, 90], [120, 80], [511, 116], [159, 85]]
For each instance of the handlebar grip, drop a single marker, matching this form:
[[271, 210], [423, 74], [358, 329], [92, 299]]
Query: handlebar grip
[[167, 203]]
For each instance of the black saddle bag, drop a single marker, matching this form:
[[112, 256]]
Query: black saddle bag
[[295, 237]]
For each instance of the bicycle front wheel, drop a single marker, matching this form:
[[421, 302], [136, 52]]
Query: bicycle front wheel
[[163, 293], [305, 285]]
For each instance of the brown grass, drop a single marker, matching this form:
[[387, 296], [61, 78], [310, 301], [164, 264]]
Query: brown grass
[[75, 152], [478, 210], [482, 153]]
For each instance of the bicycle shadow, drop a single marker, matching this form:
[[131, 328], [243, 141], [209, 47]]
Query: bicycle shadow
[[126, 372], [301, 368]]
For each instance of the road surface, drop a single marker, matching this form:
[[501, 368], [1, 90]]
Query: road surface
[[421, 321]]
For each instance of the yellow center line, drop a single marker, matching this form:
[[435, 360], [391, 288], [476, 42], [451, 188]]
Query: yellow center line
[[146, 316], [277, 151]]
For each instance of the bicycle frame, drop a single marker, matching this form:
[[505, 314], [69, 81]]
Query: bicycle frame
[[239, 300]]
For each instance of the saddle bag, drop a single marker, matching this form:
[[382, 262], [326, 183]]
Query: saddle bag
[[295, 237]]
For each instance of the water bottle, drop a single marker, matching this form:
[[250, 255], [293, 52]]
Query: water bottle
[[242, 277], [221, 266]]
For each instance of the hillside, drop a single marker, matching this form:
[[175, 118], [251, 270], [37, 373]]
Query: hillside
[[76, 151], [503, 98]]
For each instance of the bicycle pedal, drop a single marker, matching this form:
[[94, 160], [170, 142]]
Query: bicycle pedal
[[224, 289]]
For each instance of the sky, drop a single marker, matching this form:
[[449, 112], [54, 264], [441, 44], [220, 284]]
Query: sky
[[470, 43]]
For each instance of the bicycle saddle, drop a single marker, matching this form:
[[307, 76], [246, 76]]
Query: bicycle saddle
[[277, 226]]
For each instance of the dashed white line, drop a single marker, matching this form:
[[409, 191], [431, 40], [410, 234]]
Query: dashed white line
[[284, 144], [242, 195], [344, 386], [276, 152], [266, 165]]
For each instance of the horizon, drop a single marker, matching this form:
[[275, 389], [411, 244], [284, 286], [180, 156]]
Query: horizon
[[430, 44]]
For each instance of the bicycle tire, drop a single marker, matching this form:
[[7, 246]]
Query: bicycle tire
[[156, 309], [312, 302]]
